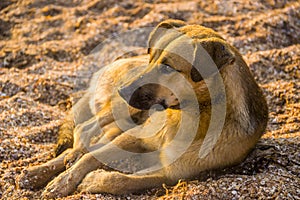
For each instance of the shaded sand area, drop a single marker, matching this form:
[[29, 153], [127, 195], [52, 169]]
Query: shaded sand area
[[43, 44]]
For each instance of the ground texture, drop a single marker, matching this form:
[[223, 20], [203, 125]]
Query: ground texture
[[43, 44]]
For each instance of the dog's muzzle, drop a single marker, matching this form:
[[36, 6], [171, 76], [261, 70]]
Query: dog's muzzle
[[143, 97]]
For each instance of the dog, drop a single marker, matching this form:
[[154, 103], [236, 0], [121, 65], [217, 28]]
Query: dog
[[189, 105]]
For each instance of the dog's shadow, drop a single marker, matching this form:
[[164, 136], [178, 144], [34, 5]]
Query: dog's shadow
[[268, 156]]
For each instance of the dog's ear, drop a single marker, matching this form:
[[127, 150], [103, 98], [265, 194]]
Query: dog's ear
[[210, 55], [161, 29]]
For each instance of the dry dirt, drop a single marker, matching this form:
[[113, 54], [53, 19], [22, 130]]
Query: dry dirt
[[43, 43]]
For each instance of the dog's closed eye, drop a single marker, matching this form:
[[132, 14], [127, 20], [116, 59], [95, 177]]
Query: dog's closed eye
[[166, 69]]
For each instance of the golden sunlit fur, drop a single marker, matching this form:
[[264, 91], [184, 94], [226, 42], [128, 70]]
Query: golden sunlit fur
[[177, 54]]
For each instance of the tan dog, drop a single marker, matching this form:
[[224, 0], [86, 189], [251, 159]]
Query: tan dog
[[194, 104]]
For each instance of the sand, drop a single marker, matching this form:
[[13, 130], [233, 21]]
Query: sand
[[45, 62]]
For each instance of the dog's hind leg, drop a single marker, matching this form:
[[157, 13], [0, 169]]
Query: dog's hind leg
[[83, 134], [65, 135], [79, 113], [38, 176]]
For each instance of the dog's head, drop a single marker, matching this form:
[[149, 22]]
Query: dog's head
[[181, 56]]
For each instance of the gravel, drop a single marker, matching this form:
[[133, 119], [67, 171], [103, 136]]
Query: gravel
[[45, 60]]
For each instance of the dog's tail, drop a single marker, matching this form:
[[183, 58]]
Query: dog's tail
[[65, 135]]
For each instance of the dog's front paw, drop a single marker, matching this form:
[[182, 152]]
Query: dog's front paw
[[33, 178], [61, 186]]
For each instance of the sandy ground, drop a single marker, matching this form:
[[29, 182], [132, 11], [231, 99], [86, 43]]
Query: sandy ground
[[43, 44]]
